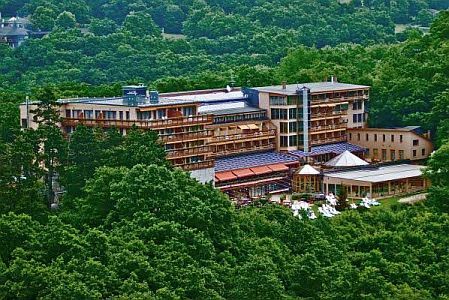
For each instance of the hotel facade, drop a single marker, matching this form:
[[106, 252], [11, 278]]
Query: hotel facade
[[247, 141]]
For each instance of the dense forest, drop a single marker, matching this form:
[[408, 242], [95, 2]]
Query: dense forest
[[131, 226]]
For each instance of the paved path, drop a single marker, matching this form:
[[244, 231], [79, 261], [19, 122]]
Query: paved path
[[413, 199]]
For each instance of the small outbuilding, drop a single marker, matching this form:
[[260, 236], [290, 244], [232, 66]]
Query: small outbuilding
[[306, 179]]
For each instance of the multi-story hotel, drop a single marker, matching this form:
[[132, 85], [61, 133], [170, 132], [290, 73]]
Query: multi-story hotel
[[248, 141]]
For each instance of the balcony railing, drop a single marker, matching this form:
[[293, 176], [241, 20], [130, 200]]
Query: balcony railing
[[332, 114], [220, 152], [186, 136], [324, 128], [144, 124], [196, 166], [328, 140], [338, 99], [178, 153], [243, 137]]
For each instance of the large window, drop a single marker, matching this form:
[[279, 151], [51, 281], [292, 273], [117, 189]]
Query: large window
[[401, 154], [283, 127], [284, 141], [278, 100], [384, 154], [293, 126], [278, 114], [392, 154], [415, 142], [293, 140], [357, 105], [293, 113]]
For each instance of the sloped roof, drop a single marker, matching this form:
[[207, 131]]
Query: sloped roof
[[335, 148], [307, 170], [346, 159], [13, 31]]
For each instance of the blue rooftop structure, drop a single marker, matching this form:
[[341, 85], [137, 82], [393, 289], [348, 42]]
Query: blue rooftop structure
[[253, 160], [337, 148]]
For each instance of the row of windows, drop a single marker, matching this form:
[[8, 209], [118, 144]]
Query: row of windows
[[291, 141], [384, 138], [393, 157], [91, 114], [291, 127], [340, 94], [282, 114], [236, 118]]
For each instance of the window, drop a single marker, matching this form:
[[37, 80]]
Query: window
[[423, 152], [350, 136], [293, 140], [360, 118], [375, 153], [88, 114], [392, 138], [292, 113], [354, 118], [367, 152], [283, 127], [284, 141], [384, 154], [414, 153], [68, 113], [357, 105], [278, 114], [367, 137], [24, 123], [121, 115], [278, 100], [392, 154], [375, 137], [358, 136], [400, 138], [383, 138], [127, 115], [401, 154], [415, 142], [293, 127]]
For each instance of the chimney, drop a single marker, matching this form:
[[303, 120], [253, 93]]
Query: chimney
[[284, 85], [333, 79]]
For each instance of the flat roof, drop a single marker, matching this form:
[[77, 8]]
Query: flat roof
[[253, 160], [336, 148], [380, 174], [208, 96], [237, 110], [398, 129], [315, 87]]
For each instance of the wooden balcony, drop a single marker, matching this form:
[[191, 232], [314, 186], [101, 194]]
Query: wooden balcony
[[186, 136], [143, 124], [337, 100], [244, 137], [187, 152], [196, 166], [327, 128], [314, 142], [330, 115], [242, 150]]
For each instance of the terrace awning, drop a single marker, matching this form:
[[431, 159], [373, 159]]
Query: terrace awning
[[243, 173], [224, 176], [243, 126], [278, 167], [251, 183], [253, 126], [261, 170]]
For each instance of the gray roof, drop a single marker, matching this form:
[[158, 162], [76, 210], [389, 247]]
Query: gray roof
[[381, 174], [238, 110], [315, 87], [13, 31]]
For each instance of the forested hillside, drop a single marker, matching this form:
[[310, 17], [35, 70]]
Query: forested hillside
[[132, 227]]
